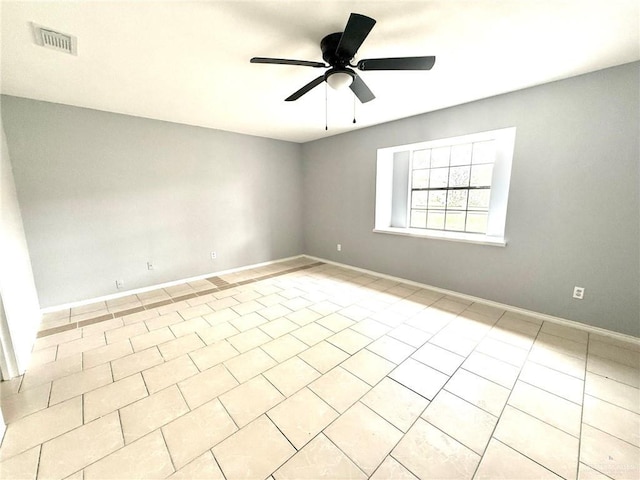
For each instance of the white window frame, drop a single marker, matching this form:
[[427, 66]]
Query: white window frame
[[500, 181]]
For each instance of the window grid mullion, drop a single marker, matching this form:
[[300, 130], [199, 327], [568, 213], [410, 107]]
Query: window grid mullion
[[427, 209], [446, 200], [452, 188], [466, 205]]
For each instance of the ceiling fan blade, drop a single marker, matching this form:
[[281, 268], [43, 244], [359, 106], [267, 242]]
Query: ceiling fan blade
[[400, 63], [312, 84], [360, 89], [357, 29], [285, 61]]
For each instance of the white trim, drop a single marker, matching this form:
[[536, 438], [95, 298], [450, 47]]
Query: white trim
[[539, 316], [164, 285], [445, 235]]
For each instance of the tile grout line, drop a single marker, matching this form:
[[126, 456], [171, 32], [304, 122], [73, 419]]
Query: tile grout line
[[350, 459], [584, 389], [146, 387], [612, 404], [217, 463], [506, 403], [39, 459], [266, 414], [612, 435], [556, 370], [382, 418], [49, 396], [613, 379], [545, 422], [188, 354], [164, 440], [528, 458], [224, 407]]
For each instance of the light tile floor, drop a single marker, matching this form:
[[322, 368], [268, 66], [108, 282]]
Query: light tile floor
[[316, 371]]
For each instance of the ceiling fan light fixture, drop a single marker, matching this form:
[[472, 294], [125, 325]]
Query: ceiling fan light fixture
[[339, 80]]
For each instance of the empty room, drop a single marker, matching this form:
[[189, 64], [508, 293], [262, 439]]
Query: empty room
[[320, 239]]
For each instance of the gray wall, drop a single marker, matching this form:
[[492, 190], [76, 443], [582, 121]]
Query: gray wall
[[573, 206], [102, 194], [19, 309]]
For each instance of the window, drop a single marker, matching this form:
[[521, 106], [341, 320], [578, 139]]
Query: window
[[454, 188], [451, 187]]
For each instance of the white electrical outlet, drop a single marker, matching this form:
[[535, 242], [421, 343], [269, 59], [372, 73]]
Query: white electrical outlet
[[214, 255], [149, 265], [119, 283], [578, 292], [339, 247]]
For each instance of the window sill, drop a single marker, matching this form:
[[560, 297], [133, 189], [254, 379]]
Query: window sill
[[441, 235]]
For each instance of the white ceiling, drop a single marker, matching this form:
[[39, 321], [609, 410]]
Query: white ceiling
[[188, 62]]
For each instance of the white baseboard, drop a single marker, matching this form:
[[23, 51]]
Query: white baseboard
[[126, 293], [510, 308]]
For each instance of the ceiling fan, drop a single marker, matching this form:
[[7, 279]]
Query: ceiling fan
[[338, 50]]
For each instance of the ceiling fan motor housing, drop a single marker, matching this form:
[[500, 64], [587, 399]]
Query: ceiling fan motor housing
[[338, 63], [329, 47]]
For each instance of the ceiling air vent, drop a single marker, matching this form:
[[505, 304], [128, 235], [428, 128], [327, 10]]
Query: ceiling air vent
[[49, 38]]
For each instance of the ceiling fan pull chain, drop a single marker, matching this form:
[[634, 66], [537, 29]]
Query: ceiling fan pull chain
[[326, 121], [354, 108]]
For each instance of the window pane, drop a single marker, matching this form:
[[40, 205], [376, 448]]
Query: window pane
[[457, 199], [420, 179], [484, 152], [440, 157], [479, 199], [455, 221], [481, 175], [439, 178], [437, 199], [477, 222], [419, 199], [459, 176], [435, 219], [418, 218], [461, 154], [421, 158]]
